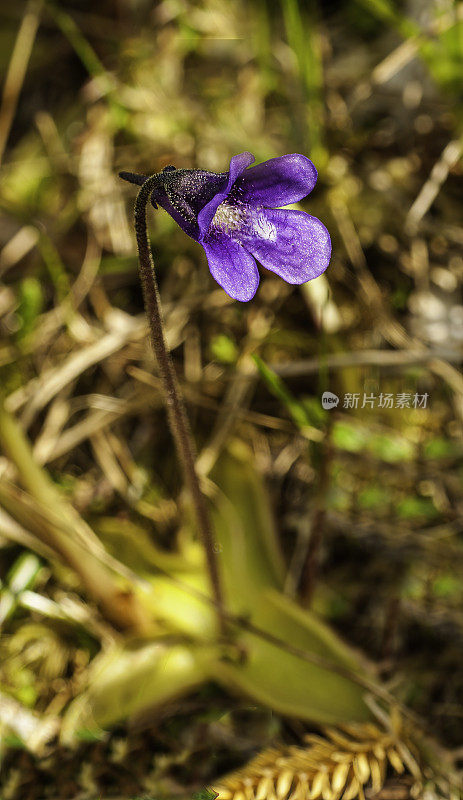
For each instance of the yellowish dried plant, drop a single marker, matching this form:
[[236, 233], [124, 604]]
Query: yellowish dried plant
[[342, 763]]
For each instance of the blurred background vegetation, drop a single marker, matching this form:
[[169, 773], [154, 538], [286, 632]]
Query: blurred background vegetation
[[367, 503]]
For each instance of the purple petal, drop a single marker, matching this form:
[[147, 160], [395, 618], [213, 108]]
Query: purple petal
[[277, 182], [291, 243], [232, 267], [237, 165], [186, 222]]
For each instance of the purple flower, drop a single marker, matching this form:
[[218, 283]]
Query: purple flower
[[235, 216]]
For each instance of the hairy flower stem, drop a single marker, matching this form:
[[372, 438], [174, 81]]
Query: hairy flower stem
[[177, 416]]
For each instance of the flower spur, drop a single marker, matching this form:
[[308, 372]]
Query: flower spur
[[236, 217]]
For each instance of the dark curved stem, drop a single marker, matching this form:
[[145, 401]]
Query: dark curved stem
[[177, 417]]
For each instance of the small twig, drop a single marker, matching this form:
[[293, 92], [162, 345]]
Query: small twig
[[366, 358], [177, 417], [429, 191]]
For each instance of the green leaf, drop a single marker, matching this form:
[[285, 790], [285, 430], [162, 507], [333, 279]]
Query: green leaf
[[446, 586], [30, 305], [441, 448], [412, 507], [128, 678], [373, 497], [224, 349], [292, 686], [347, 437], [391, 447], [301, 414], [388, 446]]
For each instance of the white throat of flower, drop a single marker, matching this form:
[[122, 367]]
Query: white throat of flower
[[250, 222], [227, 218]]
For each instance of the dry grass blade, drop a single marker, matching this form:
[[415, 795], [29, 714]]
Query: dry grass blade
[[17, 69], [27, 726], [12, 530], [97, 569], [41, 390], [20, 244]]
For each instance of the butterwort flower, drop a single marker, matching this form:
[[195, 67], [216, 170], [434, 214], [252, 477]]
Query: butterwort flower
[[236, 217]]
